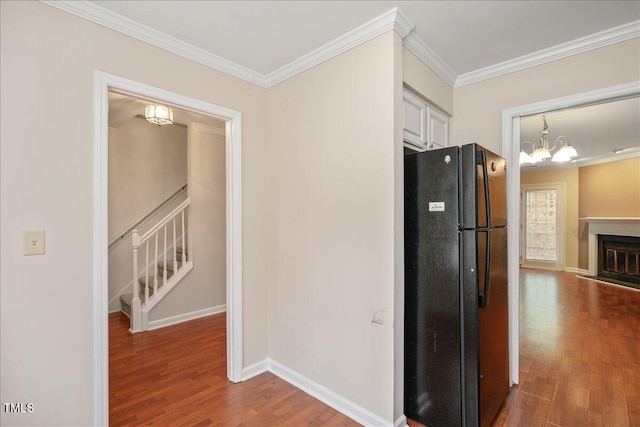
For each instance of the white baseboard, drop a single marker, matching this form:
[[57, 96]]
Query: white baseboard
[[323, 394], [401, 422], [255, 370], [185, 317], [576, 270]]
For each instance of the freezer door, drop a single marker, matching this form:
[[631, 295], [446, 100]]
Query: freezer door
[[484, 188], [432, 289]]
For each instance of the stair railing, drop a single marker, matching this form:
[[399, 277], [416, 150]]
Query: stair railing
[[157, 236]]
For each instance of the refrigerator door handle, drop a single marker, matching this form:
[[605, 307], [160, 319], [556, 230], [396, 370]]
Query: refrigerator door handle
[[483, 297], [481, 159]]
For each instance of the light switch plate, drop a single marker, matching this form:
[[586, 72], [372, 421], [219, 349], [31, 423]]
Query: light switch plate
[[33, 242]]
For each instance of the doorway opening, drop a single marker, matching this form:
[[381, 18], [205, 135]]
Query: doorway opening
[[103, 83], [511, 151]]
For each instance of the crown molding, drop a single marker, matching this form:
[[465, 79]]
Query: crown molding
[[613, 158], [583, 44], [393, 19], [121, 24], [208, 129], [430, 58]]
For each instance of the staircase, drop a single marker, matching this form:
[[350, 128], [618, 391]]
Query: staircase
[[162, 253], [148, 282]]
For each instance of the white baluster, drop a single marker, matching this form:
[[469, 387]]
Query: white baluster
[[146, 275], [136, 320], [155, 269], [184, 242], [164, 255], [175, 256]]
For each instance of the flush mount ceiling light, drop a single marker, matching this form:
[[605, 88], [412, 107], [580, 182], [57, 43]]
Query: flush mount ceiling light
[[158, 115], [540, 150]]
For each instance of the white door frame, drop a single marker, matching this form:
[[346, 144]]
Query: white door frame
[[103, 82], [511, 151]]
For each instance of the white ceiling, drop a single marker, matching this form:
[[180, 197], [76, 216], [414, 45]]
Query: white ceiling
[[594, 131], [123, 108], [463, 40]]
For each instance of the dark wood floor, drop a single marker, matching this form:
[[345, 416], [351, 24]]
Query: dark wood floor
[[579, 354], [579, 366], [176, 376]]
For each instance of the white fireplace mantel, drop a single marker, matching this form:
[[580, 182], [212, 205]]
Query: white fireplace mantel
[[610, 226]]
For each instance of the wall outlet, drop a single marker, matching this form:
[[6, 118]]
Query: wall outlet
[[33, 242]]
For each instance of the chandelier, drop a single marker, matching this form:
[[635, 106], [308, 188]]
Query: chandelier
[[540, 150], [158, 115]]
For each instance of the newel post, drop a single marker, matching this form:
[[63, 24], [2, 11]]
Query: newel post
[[136, 321]]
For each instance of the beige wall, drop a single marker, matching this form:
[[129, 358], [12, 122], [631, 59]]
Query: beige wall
[[48, 59], [477, 115], [569, 177], [320, 199], [607, 190], [331, 209], [603, 190], [147, 164], [205, 285], [426, 82]]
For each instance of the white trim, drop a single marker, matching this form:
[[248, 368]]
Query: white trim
[[102, 83], [573, 47], [233, 155], [615, 158], [100, 254], [255, 369], [393, 19], [128, 288], [401, 422], [576, 270], [611, 226], [431, 59], [166, 288], [511, 151], [95, 13], [208, 129], [320, 392], [185, 317], [329, 397]]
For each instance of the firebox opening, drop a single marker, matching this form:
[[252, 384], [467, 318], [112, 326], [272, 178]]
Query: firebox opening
[[619, 259]]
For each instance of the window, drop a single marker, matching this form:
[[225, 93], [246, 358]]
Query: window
[[542, 226]]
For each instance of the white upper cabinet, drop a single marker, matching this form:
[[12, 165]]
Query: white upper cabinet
[[414, 120], [425, 128], [438, 129]]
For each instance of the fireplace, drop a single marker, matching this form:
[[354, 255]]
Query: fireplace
[[618, 258], [614, 249]]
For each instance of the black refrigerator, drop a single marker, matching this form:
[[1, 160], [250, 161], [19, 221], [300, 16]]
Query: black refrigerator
[[456, 321]]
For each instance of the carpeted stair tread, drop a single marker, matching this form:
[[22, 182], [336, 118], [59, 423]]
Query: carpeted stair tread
[[169, 266], [127, 298]]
